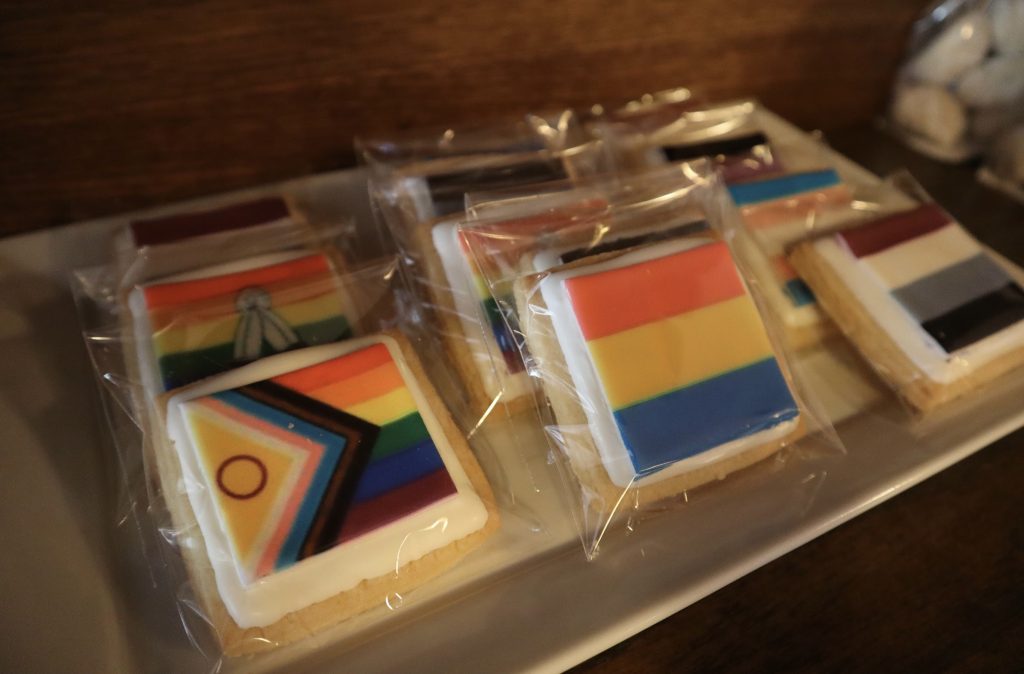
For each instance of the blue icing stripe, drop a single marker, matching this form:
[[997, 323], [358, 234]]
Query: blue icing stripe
[[691, 420], [783, 186], [397, 469], [798, 292], [333, 447]]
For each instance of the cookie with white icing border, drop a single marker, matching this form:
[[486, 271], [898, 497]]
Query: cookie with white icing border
[[317, 482], [657, 367], [927, 306]]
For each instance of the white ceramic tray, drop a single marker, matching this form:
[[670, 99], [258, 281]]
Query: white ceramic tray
[[526, 602]]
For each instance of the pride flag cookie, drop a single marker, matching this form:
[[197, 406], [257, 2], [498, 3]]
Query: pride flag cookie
[[932, 311], [673, 375], [776, 212], [198, 324], [322, 480]]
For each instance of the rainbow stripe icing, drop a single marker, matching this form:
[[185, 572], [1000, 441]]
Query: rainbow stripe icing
[[318, 454], [668, 349], [938, 274], [204, 323]]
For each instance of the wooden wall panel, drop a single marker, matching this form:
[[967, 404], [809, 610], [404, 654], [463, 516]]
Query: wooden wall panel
[[112, 106]]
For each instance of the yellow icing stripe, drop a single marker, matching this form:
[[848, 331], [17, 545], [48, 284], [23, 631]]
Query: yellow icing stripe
[[654, 358], [221, 329], [386, 408]]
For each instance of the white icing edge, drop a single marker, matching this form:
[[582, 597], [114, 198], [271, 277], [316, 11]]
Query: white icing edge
[[922, 350], [476, 328], [591, 395], [382, 551]]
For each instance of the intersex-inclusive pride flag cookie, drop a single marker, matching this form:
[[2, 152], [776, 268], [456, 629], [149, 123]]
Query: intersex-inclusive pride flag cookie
[[207, 325], [314, 458], [938, 274], [681, 354]]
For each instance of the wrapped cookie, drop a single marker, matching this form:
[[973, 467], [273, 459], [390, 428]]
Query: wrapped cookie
[[933, 312], [656, 133], [306, 488], [421, 199], [657, 370]]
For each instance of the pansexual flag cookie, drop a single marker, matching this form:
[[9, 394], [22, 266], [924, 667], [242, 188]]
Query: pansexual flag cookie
[[776, 212], [921, 299], [198, 324], [322, 481], [675, 378]]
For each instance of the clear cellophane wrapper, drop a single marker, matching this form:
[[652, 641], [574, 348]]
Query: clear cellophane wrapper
[[297, 460], [960, 90], [607, 358]]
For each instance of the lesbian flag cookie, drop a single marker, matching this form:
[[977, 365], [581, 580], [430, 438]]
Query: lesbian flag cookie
[[919, 297], [776, 212], [322, 481], [672, 372], [194, 325]]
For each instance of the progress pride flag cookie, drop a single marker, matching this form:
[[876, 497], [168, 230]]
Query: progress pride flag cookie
[[934, 313], [317, 479]]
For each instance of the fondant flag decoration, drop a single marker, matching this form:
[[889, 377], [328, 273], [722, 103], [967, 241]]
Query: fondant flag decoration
[[203, 326], [681, 354], [314, 458], [172, 228], [939, 274]]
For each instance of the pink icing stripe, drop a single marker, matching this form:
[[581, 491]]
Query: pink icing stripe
[[316, 451]]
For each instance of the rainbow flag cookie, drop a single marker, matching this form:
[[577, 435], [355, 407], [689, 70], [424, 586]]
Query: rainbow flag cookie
[[673, 371], [195, 325], [331, 474], [776, 212], [922, 300]]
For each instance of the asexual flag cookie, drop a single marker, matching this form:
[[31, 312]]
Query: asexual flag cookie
[[672, 371], [934, 313], [318, 480]]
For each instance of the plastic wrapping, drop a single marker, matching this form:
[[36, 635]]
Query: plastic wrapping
[[730, 134], [935, 313], [421, 200], [960, 91], [634, 320], [282, 423]]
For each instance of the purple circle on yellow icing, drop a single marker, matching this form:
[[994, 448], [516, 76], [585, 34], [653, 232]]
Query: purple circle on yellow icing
[[248, 458]]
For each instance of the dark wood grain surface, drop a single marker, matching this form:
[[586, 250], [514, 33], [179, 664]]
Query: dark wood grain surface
[[932, 581], [112, 106]]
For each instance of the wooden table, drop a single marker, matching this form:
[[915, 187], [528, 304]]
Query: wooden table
[[930, 581]]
